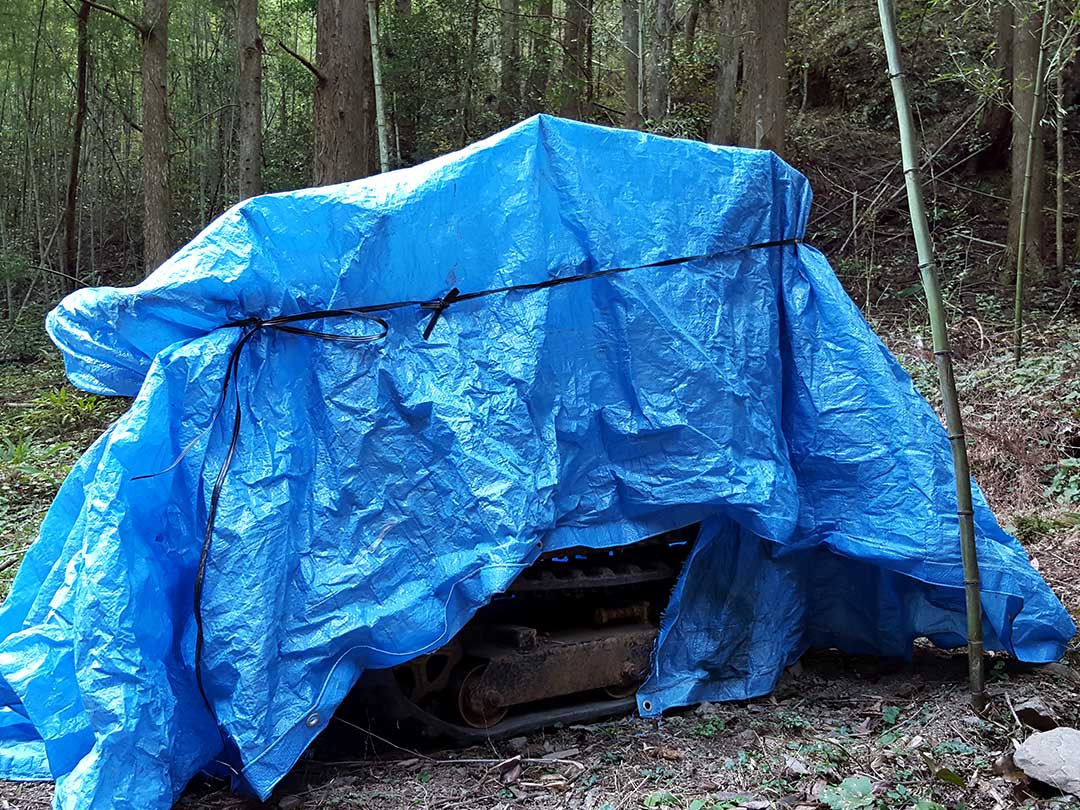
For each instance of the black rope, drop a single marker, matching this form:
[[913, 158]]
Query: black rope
[[286, 323]]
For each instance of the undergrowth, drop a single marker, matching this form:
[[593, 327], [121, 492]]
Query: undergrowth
[[45, 425]]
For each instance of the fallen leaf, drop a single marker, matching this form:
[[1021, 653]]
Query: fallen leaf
[[670, 754]]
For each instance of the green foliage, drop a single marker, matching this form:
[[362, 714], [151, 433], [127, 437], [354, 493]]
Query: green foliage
[[890, 714], [664, 798], [709, 804], [823, 755], [24, 340], [709, 728], [64, 407], [857, 793], [1027, 528], [28, 457], [1065, 485], [792, 721], [953, 747], [853, 793], [660, 798]]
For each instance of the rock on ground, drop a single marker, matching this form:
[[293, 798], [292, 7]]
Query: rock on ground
[[1052, 757]]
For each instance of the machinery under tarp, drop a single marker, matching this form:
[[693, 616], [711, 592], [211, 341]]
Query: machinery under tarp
[[378, 494]]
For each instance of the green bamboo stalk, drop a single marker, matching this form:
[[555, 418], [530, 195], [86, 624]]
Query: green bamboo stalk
[[942, 354], [376, 75], [1034, 120]]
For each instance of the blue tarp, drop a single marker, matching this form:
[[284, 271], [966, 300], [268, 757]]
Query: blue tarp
[[381, 493]]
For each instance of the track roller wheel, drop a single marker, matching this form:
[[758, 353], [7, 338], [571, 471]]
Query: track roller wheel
[[470, 701]]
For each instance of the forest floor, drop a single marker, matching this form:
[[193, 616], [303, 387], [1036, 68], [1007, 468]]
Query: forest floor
[[894, 737]]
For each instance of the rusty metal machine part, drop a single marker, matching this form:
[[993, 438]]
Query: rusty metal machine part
[[570, 641], [617, 657]]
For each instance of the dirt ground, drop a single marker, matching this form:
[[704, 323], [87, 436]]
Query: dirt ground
[[908, 731]]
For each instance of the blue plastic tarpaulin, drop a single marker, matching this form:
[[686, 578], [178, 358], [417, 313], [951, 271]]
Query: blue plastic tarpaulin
[[381, 493]]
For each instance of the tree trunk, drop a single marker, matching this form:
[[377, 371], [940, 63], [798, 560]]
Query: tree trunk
[[722, 128], [249, 91], [765, 95], [631, 58], [576, 70], [690, 33], [509, 58], [540, 75], [376, 75], [995, 124], [1033, 138], [660, 80], [1025, 60], [470, 72], [70, 279], [345, 142], [1059, 176], [404, 114], [155, 134]]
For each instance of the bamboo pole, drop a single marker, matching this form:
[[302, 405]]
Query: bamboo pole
[[942, 355], [376, 75], [1034, 120]]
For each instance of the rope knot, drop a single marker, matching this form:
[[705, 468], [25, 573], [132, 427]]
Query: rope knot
[[438, 308]]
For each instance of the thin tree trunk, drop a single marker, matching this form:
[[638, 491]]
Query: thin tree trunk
[[722, 129], [470, 72], [345, 137], [69, 281], [765, 95], [995, 124], [576, 69], [642, 96], [404, 114], [249, 91], [509, 57], [631, 17], [660, 79], [26, 189], [155, 133], [1059, 175], [376, 75], [1030, 203], [690, 33], [536, 85], [942, 356], [1028, 109]]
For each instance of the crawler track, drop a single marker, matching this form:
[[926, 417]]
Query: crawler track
[[569, 642]]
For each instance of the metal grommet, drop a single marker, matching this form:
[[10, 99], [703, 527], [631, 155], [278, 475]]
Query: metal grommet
[[646, 705], [313, 720]]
